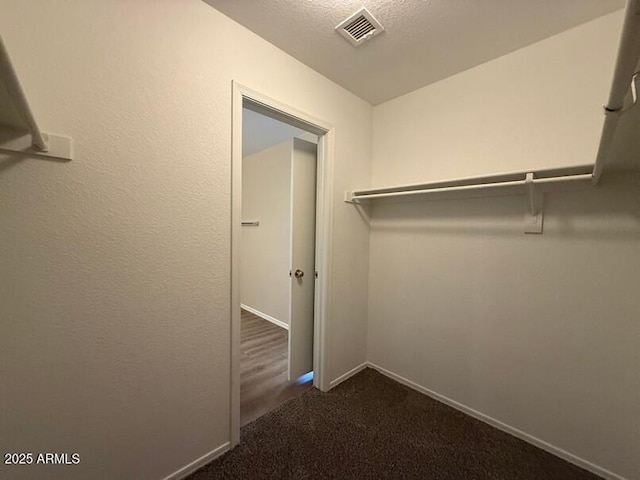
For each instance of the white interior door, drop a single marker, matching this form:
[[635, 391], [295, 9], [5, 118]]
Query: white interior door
[[303, 235]]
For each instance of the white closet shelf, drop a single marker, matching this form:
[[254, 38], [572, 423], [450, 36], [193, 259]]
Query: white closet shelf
[[494, 184], [532, 183], [626, 76], [19, 131]]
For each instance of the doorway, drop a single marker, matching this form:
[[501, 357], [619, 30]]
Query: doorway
[[277, 263], [308, 283]]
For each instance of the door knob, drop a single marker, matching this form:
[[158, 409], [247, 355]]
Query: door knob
[[299, 273]]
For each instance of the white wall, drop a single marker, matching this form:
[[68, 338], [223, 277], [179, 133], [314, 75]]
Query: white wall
[[266, 249], [114, 292], [537, 107], [538, 332]]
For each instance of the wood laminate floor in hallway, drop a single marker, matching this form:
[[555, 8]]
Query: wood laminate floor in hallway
[[263, 368]]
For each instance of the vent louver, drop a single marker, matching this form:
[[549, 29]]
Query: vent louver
[[359, 27]]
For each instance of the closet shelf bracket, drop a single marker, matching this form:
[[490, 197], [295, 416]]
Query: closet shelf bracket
[[534, 217], [19, 131], [15, 141]]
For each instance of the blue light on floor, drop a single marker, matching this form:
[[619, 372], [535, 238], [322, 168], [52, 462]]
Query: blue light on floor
[[307, 377]]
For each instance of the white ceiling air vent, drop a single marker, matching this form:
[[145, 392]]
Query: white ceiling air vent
[[359, 27]]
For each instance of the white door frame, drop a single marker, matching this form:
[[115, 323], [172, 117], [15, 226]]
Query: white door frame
[[246, 97]]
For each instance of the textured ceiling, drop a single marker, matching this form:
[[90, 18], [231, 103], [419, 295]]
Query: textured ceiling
[[424, 41]]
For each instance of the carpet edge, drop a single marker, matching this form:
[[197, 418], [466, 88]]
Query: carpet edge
[[199, 462], [347, 375], [537, 442]]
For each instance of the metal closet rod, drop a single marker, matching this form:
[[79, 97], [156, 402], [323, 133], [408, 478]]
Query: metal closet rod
[[624, 77], [11, 82], [484, 182]]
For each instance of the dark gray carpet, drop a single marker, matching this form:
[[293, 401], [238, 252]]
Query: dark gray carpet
[[371, 427]]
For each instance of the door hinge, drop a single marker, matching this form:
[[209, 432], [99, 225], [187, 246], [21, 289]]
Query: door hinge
[[316, 273]]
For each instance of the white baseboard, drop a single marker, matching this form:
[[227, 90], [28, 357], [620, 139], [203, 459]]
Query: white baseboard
[[271, 319], [199, 462], [347, 375], [558, 452]]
